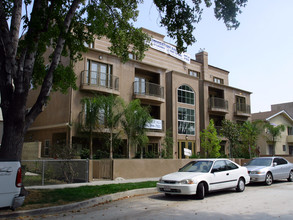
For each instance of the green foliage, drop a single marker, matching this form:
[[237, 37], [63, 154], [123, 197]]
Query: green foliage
[[84, 153], [210, 141], [231, 131], [249, 132], [168, 145], [134, 122], [45, 198], [273, 132], [63, 152]]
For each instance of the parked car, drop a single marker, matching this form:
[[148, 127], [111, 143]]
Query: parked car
[[268, 169], [199, 177], [10, 185]]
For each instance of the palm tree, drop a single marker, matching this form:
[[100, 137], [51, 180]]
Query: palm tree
[[134, 122], [91, 109], [112, 106], [273, 132]]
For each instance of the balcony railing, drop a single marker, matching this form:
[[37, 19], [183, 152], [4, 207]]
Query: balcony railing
[[242, 109], [148, 89], [218, 104], [97, 80]]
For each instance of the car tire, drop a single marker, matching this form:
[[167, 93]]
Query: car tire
[[200, 191], [168, 195], [290, 178], [241, 185], [269, 179]]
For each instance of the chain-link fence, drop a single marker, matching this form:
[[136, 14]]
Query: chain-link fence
[[49, 172]]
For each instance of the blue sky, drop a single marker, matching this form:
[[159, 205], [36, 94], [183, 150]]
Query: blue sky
[[258, 55]]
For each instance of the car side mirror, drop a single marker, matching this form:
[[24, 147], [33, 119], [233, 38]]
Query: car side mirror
[[275, 164], [214, 170]]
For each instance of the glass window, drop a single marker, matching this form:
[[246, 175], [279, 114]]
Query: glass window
[[218, 80], [231, 165], [219, 166], [193, 73], [290, 131], [186, 121], [99, 74], [139, 85], [185, 95]]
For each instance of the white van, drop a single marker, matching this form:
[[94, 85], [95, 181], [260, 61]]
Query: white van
[[10, 184]]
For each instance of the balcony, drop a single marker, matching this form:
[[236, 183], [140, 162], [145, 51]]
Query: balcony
[[218, 105], [148, 91], [241, 109], [290, 139], [99, 82]]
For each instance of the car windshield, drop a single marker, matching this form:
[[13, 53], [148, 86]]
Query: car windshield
[[197, 166], [260, 162]]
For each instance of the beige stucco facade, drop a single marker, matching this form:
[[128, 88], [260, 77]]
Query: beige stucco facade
[[284, 142], [211, 97]]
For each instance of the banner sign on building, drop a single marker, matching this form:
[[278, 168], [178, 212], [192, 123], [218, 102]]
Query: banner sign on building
[[169, 49], [155, 124]]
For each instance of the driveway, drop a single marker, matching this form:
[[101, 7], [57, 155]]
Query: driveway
[[256, 202]]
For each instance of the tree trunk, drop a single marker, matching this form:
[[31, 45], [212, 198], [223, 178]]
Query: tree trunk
[[91, 145], [111, 145]]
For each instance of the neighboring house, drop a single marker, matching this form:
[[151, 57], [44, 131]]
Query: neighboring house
[[284, 143], [288, 107], [183, 93]]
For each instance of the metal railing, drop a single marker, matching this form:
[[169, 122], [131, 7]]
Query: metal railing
[[218, 103], [147, 88], [242, 108], [54, 171], [97, 79]]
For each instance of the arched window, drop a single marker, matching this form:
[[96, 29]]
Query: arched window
[[185, 95]]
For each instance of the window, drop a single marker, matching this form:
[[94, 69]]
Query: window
[[218, 80], [46, 147], [290, 130], [220, 165], [132, 56], [186, 121], [139, 85], [99, 74], [193, 73], [284, 147], [185, 95], [231, 166]]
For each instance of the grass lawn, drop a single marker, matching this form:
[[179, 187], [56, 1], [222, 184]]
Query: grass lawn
[[39, 198]]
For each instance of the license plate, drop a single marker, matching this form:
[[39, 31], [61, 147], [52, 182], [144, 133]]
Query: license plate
[[167, 188]]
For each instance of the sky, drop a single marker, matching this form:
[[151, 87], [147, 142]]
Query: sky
[[258, 54]]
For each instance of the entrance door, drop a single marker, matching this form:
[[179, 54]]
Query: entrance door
[[185, 144]]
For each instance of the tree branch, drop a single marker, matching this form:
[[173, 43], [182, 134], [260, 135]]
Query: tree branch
[[48, 80]]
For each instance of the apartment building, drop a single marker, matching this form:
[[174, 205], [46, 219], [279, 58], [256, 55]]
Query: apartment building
[[183, 94]]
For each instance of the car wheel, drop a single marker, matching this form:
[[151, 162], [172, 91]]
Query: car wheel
[[168, 194], [290, 178], [241, 185], [200, 192], [269, 179]]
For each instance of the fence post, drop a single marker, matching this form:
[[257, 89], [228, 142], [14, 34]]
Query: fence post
[[43, 172]]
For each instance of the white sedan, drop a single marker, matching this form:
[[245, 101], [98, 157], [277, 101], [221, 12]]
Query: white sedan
[[205, 175]]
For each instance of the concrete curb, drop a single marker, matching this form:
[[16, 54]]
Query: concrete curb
[[77, 205]]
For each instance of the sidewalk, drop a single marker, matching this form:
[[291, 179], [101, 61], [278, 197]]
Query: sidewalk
[[93, 183], [6, 214]]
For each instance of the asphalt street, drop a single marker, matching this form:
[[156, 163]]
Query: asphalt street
[[256, 202]]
